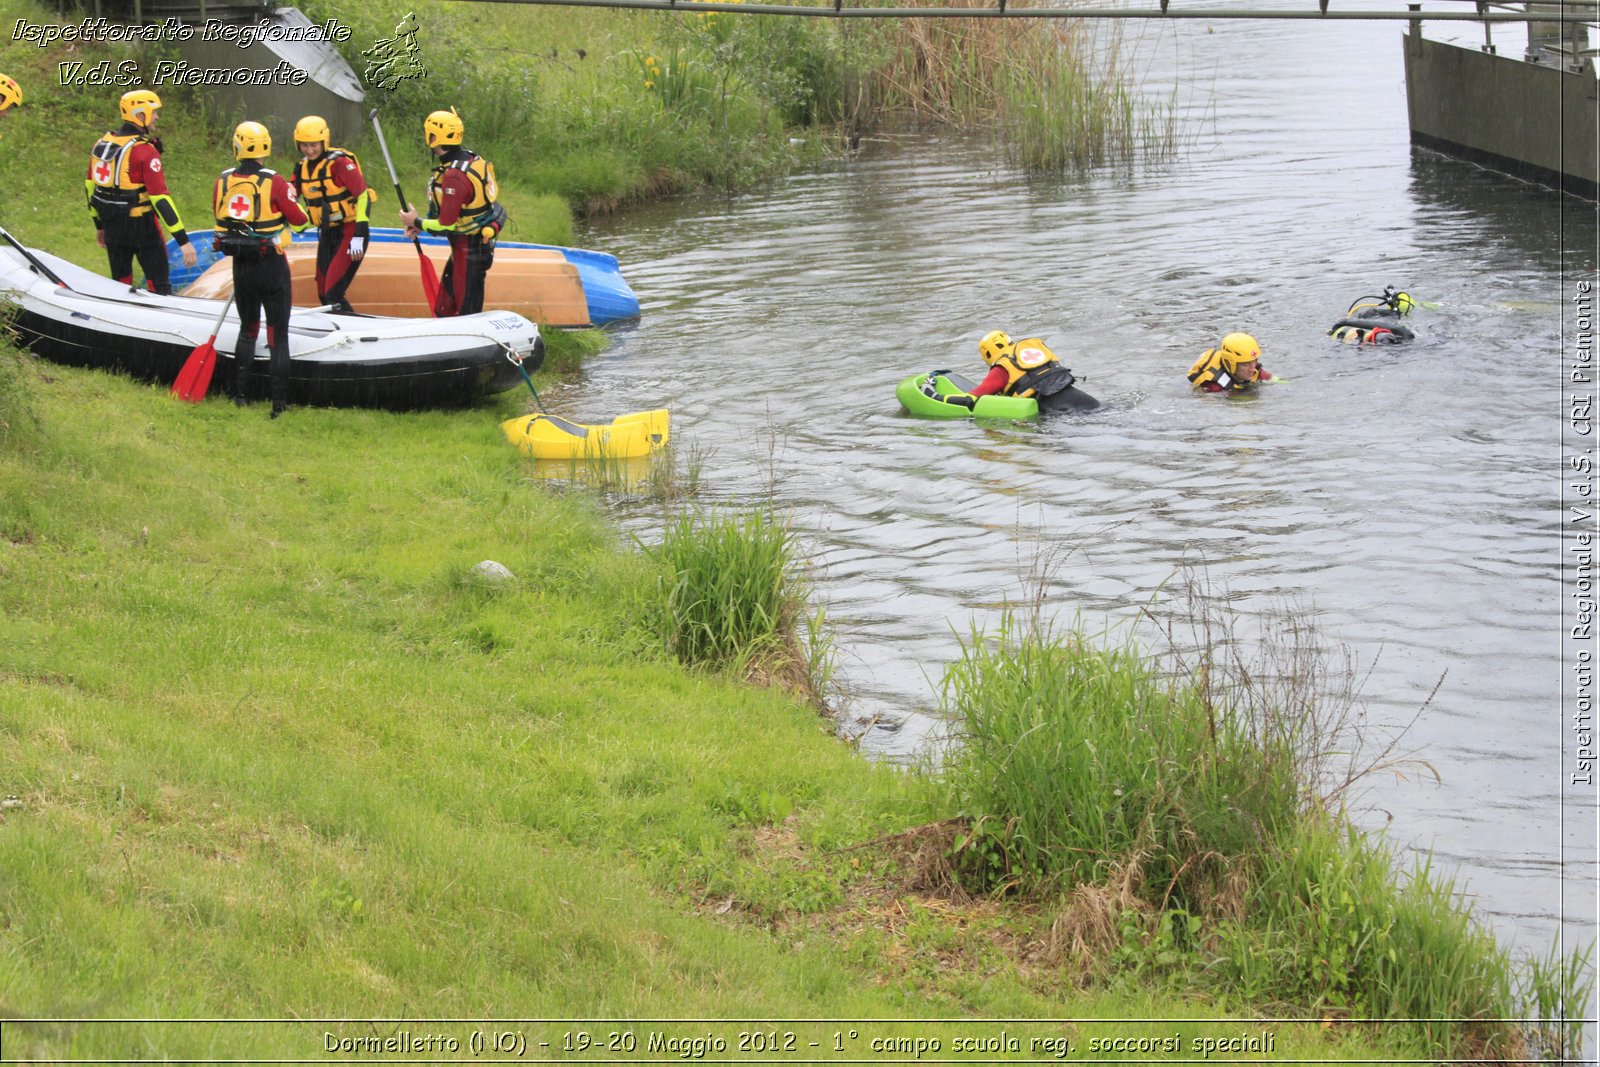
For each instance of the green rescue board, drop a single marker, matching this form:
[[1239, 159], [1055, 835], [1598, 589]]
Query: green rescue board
[[915, 397]]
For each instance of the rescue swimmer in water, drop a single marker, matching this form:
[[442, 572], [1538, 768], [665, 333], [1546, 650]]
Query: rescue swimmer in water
[[1375, 320], [1028, 368], [1234, 366]]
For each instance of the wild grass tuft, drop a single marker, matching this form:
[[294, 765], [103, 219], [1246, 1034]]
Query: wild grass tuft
[[1075, 761], [18, 417], [1188, 813], [732, 597]]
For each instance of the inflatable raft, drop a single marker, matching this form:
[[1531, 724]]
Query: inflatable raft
[[552, 437], [76, 317], [943, 395], [606, 294]]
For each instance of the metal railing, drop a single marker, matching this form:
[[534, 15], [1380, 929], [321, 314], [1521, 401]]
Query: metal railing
[[1568, 11]]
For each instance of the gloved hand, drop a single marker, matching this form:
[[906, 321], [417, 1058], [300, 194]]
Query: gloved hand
[[358, 247]]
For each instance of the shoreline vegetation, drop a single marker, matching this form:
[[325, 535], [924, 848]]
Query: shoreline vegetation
[[273, 748]]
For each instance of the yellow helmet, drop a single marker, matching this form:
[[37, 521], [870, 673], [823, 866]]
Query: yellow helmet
[[313, 129], [140, 106], [1237, 348], [443, 127], [1219, 366], [251, 141], [10, 92], [993, 345]]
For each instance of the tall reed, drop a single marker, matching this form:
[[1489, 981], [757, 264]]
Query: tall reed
[[17, 414], [1056, 89], [1075, 763], [732, 596], [1194, 819]]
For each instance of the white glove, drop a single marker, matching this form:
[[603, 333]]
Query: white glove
[[358, 247]]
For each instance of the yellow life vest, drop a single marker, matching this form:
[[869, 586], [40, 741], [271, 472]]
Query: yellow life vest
[[1209, 368], [1032, 369], [114, 191], [243, 205], [481, 210], [326, 201]]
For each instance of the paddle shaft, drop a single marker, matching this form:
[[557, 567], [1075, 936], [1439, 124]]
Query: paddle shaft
[[31, 258], [430, 282], [216, 327], [393, 176]]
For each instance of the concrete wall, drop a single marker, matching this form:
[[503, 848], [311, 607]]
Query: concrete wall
[[1530, 119]]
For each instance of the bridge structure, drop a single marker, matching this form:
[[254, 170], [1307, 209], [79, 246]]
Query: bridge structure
[[1484, 11]]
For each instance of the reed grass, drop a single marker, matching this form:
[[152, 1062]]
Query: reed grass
[[1192, 823], [732, 597], [1057, 90], [1076, 763], [18, 414]]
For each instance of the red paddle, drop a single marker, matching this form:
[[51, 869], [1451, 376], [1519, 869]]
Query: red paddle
[[430, 279], [195, 377]]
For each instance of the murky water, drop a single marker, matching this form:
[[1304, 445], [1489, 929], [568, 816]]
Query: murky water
[[1410, 497]]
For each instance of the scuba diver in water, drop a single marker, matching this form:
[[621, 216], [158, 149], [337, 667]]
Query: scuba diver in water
[[1028, 368], [1234, 366], [1375, 320]]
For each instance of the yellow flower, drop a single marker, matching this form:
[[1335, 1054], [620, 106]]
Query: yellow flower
[[649, 84]]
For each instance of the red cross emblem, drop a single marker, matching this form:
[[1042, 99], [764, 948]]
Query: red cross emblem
[[102, 173], [239, 206]]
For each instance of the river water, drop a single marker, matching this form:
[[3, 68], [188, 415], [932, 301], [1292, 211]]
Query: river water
[[1408, 499]]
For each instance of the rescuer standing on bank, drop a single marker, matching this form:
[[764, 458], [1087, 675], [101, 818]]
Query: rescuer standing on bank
[[461, 205], [128, 191], [335, 196], [255, 207]]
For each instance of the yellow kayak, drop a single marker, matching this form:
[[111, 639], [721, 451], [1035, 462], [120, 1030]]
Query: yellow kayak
[[552, 437]]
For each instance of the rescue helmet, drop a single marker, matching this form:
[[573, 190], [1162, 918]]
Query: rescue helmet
[[10, 92], [313, 129], [251, 141], [1403, 303], [140, 106], [443, 128], [1237, 348], [993, 345]]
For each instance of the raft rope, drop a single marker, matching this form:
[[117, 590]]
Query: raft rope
[[516, 361]]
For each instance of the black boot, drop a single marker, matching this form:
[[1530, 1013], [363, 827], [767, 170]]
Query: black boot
[[243, 356]]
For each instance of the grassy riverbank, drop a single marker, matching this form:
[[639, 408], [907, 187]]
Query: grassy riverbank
[[585, 110], [276, 753]]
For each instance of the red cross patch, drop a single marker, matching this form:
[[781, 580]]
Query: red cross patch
[[239, 206], [102, 173]]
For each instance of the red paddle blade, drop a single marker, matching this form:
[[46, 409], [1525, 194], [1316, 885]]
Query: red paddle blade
[[195, 377], [430, 277]]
